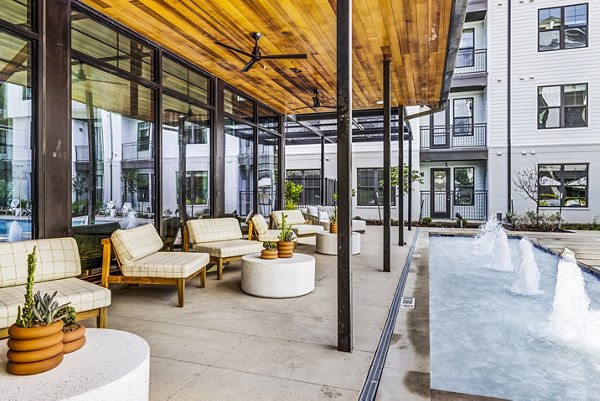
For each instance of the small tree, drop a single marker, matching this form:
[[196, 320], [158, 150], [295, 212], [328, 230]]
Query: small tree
[[292, 195], [80, 187], [416, 177], [131, 182], [526, 182]]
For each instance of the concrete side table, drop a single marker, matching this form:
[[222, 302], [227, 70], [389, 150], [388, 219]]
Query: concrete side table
[[278, 278], [112, 365], [359, 226], [327, 243]]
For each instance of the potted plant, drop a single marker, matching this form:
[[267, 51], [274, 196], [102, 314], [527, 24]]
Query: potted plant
[[35, 342], [333, 218], [269, 251], [74, 333], [285, 246]]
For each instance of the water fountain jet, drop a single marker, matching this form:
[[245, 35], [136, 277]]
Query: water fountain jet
[[14, 232], [527, 274]]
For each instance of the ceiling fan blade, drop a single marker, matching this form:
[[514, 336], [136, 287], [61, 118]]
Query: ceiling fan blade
[[234, 49], [285, 56], [249, 65]]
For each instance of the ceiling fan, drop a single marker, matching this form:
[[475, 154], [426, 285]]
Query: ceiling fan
[[81, 76], [257, 55], [316, 102]]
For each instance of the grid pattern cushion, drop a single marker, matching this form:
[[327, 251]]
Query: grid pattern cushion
[[293, 217], [269, 235], [56, 258], [260, 223], [135, 243], [83, 296], [228, 249], [307, 229], [209, 230], [166, 265]]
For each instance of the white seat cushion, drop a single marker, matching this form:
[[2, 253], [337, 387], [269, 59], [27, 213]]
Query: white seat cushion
[[227, 249], [83, 296], [136, 243], [260, 223], [307, 229], [166, 265], [209, 230]]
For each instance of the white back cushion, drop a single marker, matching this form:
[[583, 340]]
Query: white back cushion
[[260, 223], [210, 230], [56, 258], [313, 211], [136, 243], [292, 217]]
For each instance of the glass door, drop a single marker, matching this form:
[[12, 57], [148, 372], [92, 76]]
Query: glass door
[[440, 193]]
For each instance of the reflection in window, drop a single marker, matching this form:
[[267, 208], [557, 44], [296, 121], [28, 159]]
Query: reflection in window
[[268, 172], [15, 136], [238, 106], [17, 12], [185, 147], [464, 186], [370, 188], [562, 27], [183, 80], [113, 163], [562, 106], [463, 116], [466, 50], [568, 182], [239, 167]]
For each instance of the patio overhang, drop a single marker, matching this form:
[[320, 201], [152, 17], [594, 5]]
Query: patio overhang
[[419, 37]]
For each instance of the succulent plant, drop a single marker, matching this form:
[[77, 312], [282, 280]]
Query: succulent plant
[[270, 245], [286, 230], [25, 316], [69, 315], [46, 308]]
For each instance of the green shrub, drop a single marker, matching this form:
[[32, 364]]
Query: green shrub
[[426, 221]]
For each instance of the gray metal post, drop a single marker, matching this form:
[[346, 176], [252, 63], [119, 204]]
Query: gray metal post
[[387, 193], [218, 153], [323, 202], [410, 180], [344, 171], [401, 176]]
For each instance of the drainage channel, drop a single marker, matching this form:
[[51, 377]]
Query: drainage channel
[[369, 390]]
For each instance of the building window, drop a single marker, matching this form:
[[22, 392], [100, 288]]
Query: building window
[[196, 187], [562, 106], [562, 27], [466, 50], [143, 136], [370, 188], [26, 93], [143, 187], [568, 182], [463, 116], [195, 134], [464, 186]]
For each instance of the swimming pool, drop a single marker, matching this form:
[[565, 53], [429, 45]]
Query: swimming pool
[[25, 227], [486, 340]]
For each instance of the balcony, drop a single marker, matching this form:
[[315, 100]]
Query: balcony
[[470, 204], [133, 151], [470, 61], [454, 142]]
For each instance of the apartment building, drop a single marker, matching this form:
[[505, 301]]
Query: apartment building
[[497, 127]]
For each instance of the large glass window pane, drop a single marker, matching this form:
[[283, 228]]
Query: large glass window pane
[[549, 184], [178, 78], [464, 186], [185, 148], [463, 116], [576, 184], [107, 45], [238, 106], [17, 12], [268, 172], [239, 167], [576, 26], [113, 149], [15, 138], [466, 52], [568, 182], [267, 118], [370, 187]]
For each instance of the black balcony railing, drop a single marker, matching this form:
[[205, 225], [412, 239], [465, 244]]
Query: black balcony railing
[[469, 61], [82, 153], [470, 204], [454, 136], [138, 151], [311, 190]]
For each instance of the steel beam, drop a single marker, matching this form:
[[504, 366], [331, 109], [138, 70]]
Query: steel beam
[[344, 171], [323, 170], [387, 192], [410, 180], [218, 152], [401, 181]]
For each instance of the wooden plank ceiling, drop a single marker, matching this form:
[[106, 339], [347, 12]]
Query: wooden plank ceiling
[[412, 33]]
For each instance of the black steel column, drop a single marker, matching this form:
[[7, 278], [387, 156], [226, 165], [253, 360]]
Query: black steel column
[[401, 176], [323, 194], [218, 153], [182, 205], [156, 184], [52, 147], [387, 193], [281, 161], [344, 171], [255, 163], [410, 179]]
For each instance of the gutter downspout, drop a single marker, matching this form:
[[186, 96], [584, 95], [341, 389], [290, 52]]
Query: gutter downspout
[[508, 112]]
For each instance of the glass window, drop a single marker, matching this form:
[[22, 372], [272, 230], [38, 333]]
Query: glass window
[[562, 27], [239, 167], [563, 106], [267, 118], [310, 179], [464, 186], [17, 12], [466, 50], [568, 182], [268, 172], [238, 106], [370, 187], [16, 193], [185, 81], [463, 116], [185, 147], [113, 162], [107, 45]]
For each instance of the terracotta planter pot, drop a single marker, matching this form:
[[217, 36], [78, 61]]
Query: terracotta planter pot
[[333, 228], [74, 339], [269, 254], [285, 249], [35, 350]]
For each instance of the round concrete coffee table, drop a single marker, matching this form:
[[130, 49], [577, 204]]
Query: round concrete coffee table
[[327, 243], [112, 365], [278, 278]]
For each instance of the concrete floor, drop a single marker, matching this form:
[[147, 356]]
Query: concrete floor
[[227, 345]]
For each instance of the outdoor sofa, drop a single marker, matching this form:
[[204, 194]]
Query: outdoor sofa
[[58, 265], [296, 220], [258, 228]]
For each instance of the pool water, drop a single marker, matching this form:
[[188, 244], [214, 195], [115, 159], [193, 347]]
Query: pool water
[[25, 227], [485, 340]]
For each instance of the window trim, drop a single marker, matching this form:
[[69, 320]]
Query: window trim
[[456, 190], [561, 30], [471, 132], [562, 106], [562, 184], [470, 49]]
